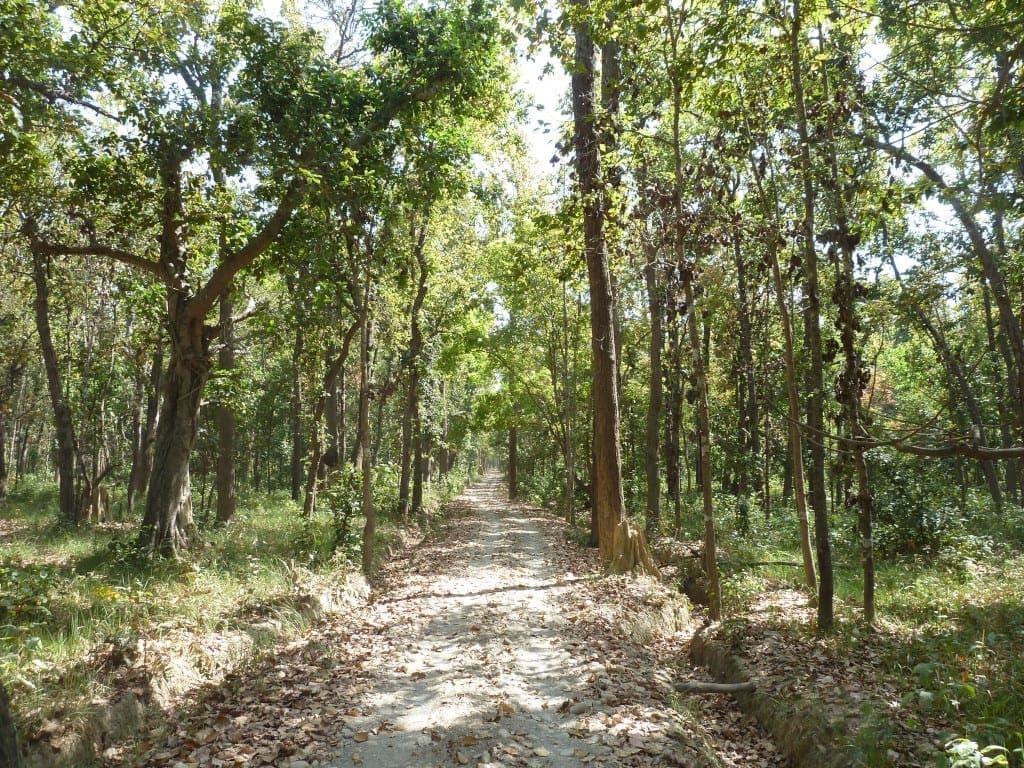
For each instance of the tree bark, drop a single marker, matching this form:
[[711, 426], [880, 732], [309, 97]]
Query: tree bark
[[652, 464], [64, 427], [226, 500], [144, 427], [298, 347], [621, 547], [815, 376], [366, 467], [606, 480], [513, 460]]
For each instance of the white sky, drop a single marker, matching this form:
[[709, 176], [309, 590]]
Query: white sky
[[546, 118]]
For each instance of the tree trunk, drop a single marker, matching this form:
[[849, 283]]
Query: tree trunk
[[714, 587], [815, 377], [410, 416], [513, 460], [4, 471], [296, 413], [316, 454], [794, 470], [621, 547], [674, 420], [167, 524], [64, 427], [656, 305], [144, 435], [10, 752], [226, 415], [606, 481], [369, 513], [746, 387]]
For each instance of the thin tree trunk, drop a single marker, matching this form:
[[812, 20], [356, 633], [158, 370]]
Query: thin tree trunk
[[142, 449], [795, 464], [714, 587], [64, 428], [513, 460], [815, 376], [656, 308], [296, 413], [410, 416], [226, 500], [673, 422], [369, 513], [323, 403]]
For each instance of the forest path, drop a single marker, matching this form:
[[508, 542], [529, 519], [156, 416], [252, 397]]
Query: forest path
[[482, 646], [472, 668]]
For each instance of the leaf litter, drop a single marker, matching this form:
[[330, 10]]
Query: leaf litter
[[493, 643]]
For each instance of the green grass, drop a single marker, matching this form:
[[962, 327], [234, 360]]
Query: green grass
[[69, 598]]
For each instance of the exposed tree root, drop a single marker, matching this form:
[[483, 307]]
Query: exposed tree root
[[630, 553]]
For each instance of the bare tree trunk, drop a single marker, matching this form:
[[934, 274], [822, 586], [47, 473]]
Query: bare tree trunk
[[410, 416], [369, 513], [656, 308], [296, 413], [815, 376], [746, 387], [64, 427], [714, 587], [673, 422], [513, 459], [167, 525], [14, 373], [144, 437], [795, 465], [226, 501], [323, 403], [622, 548]]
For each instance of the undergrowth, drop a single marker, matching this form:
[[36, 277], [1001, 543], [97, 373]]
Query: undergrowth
[[66, 592], [950, 621]]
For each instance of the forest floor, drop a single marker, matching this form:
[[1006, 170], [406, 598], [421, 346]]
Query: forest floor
[[495, 642]]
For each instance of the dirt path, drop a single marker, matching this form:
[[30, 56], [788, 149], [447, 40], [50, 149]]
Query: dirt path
[[474, 670], [482, 647]]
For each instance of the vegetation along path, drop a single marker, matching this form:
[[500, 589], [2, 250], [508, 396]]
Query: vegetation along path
[[478, 649]]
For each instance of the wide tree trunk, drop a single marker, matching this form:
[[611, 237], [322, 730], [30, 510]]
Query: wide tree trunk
[[168, 527], [621, 547], [63, 424]]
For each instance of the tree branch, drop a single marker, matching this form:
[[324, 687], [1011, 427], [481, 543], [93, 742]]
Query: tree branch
[[248, 253], [96, 249], [53, 94]]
